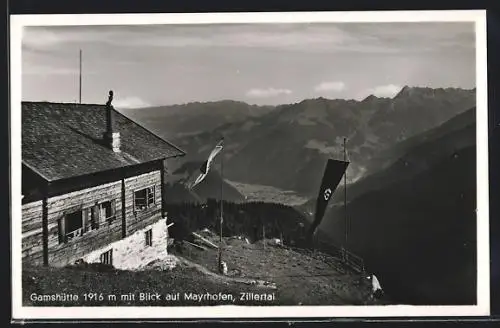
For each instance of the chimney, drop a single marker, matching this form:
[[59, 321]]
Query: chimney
[[111, 138]]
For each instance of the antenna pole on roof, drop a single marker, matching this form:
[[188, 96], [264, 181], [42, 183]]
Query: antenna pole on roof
[[80, 80]]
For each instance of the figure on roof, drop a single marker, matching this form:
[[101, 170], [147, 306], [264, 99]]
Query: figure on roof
[[110, 98]]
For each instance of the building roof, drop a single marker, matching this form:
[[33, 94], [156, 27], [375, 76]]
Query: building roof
[[63, 140]]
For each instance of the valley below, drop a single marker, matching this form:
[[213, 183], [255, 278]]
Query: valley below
[[411, 192], [260, 193]]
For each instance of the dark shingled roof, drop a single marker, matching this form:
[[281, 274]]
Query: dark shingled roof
[[66, 140]]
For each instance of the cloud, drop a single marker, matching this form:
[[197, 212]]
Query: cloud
[[214, 35], [38, 37], [267, 93], [45, 38], [323, 147], [130, 102], [330, 37], [389, 90], [335, 86], [48, 70]]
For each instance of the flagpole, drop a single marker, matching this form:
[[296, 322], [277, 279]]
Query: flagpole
[[345, 193], [221, 210], [264, 235]]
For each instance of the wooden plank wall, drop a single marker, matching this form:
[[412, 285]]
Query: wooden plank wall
[[32, 242], [58, 206]]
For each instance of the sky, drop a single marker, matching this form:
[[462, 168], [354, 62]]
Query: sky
[[154, 65]]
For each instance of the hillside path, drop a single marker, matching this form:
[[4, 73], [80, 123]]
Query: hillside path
[[227, 279]]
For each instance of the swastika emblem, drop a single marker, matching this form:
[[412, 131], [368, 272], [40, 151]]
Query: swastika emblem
[[327, 194]]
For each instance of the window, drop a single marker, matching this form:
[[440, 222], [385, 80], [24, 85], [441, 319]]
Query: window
[[107, 257], [107, 211], [79, 222], [144, 198], [94, 217], [71, 226], [149, 237], [75, 224]]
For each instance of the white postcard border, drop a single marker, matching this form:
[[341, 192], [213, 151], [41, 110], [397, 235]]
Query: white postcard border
[[230, 311]]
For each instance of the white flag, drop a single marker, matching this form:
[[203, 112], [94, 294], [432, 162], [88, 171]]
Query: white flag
[[206, 165]]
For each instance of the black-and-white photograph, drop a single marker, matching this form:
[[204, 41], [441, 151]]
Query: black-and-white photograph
[[257, 164]]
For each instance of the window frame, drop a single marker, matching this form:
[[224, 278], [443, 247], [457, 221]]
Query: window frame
[[64, 235], [148, 236], [91, 219], [112, 205], [106, 256], [149, 198]]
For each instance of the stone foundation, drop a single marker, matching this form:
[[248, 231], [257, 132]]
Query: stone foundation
[[132, 253]]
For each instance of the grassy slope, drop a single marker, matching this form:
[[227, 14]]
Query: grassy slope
[[45, 281], [300, 278]]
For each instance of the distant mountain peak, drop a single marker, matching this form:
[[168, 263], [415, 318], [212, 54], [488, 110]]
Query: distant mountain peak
[[324, 100], [405, 91], [370, 98], [415, 91], [312, 100]]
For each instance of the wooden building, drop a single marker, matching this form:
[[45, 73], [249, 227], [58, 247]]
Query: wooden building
[[90, 177]]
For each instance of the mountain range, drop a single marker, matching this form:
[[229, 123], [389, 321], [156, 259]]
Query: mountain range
[[411, 193], [414, 222], [410, 157], [296, 139], [176, 121]]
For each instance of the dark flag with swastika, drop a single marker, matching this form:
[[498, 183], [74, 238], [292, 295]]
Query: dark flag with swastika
[[334, 171]]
